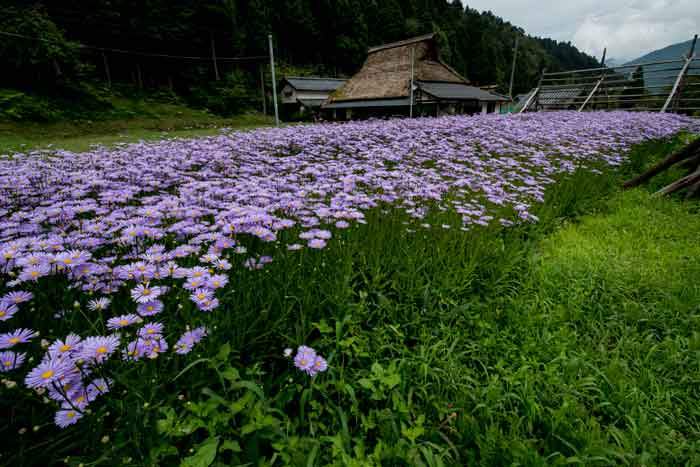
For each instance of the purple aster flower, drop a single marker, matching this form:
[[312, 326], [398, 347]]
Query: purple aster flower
[[100, 385], [223, 265], [47, 372], [208, 305], [317, 243], [305, 358], [217, 281], [323, 234], [199, 272], [98, 348], [342, 224], [149, 308], [10, 360], [185, 343], [122, 321], [150, 330], [67, 417], [320, 365], [201, 296], [68, 347], [34, 272], [7, 310], [294, 247], [18, 336], [99, 304], [194, 283], [17, 297], [143, 293]]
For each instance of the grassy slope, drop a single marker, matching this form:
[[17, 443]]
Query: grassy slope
[[137, 121]]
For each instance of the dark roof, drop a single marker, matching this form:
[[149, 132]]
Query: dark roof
[[311, 102], [402, 43], [369, 103], [559, 96], [458, 91], [314, 84]]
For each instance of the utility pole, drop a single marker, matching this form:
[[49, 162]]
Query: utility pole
[[512, 70], [602, 60], [274, 82], [413, 56]]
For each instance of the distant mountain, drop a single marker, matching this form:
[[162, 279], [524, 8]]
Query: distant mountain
[[672, 52], [659, 78]]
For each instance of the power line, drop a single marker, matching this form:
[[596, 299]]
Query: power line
[[135, 52]]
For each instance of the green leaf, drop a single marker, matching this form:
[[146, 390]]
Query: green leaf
[[205, 455], [230, 445], [224, 352], [231, 374], [391, 380]]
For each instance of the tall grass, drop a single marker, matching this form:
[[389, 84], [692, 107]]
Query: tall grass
[[571, 341]]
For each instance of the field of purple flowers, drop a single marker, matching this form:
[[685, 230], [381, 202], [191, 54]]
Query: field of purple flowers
[[133, 264]]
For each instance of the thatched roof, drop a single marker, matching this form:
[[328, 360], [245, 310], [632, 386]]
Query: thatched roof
[[387, 70]]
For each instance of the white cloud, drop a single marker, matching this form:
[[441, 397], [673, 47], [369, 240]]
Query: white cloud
[[628, 28]]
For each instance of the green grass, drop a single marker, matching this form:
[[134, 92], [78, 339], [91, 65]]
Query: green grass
[[575, 341], [134, 121]]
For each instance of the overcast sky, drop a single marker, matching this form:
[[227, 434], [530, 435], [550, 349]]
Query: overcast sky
[[628, 28]]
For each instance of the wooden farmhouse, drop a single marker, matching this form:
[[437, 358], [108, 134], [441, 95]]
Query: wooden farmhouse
[[383, 86], [301, 94]]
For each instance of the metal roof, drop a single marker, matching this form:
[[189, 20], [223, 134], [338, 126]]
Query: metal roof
[[315, 84], [311, 102], [559, 96], [458, 91], [369, 103]]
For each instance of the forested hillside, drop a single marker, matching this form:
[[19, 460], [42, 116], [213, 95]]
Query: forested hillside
[[327, 37]]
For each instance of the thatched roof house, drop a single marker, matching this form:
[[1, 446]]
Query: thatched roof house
[[385, 79]]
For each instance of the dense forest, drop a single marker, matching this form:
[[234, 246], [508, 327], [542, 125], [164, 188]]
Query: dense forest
[[80, 45]]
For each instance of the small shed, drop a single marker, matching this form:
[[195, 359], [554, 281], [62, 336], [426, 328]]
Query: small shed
[[307, 93], [383, 84]]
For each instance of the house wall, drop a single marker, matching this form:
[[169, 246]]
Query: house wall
[[288, 95], [485, 108]]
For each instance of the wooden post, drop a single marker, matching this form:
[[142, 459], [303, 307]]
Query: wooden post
[[262, 91], [677, 86], [539, 88], [213, 55], [170, 82], [535, 96], [274, 80], [682, 154], [138, 75], [107, 73]]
